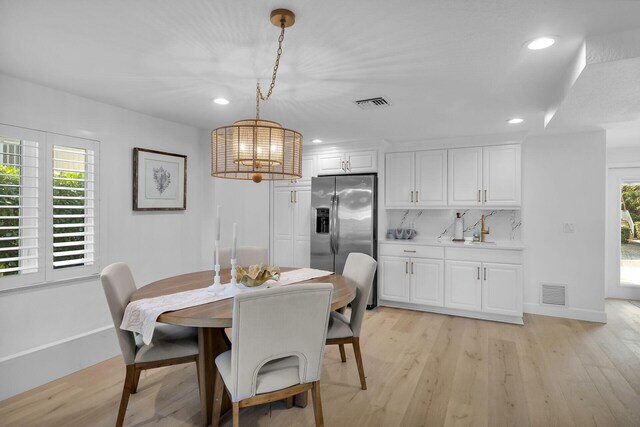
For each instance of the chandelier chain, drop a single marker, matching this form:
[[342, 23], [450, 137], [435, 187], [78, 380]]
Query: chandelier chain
[[259, 94]]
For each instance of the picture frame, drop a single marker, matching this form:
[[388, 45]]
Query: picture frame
[[159, 180]]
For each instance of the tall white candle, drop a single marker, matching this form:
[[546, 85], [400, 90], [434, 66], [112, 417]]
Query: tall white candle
[[217, 253], [217, 237], [235, 241]]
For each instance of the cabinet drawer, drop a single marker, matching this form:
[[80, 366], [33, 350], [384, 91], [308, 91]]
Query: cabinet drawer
[[412, 251], [484, 255]]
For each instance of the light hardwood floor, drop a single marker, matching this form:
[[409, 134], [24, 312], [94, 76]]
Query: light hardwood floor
[[422, 369]]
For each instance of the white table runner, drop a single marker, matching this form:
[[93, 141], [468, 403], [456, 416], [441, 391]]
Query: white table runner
[[140, 316]]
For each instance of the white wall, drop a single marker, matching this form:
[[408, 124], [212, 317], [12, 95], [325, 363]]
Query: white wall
[[53, 330], [243, 202], [564, 180]]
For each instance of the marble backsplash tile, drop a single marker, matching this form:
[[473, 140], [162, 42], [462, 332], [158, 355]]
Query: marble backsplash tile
[[438, 223]]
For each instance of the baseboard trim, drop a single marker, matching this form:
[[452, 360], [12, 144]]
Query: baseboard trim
[[453, 312], [39, 365], [566, 312]]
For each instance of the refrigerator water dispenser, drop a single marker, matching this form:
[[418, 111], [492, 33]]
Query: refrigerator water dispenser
[[322, 220]]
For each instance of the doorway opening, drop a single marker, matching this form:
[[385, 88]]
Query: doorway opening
[[630, 234]]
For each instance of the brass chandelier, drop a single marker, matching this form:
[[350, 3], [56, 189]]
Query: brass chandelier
[[259, 149]]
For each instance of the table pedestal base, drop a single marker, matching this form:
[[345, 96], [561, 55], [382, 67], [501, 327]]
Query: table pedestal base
[[210, 344]]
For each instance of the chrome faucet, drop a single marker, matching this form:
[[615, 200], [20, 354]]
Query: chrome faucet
[[483, 232]]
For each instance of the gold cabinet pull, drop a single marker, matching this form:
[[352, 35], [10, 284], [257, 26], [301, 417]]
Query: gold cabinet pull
[[478, 196], [291, 196], [406, 267], [478, 273], [413, 252], [412, 197], [485, 273], [411, 267], [485, 196], [416, 196], [295, 196]]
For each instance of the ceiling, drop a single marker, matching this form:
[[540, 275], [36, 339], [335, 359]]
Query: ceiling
[[449, 68]]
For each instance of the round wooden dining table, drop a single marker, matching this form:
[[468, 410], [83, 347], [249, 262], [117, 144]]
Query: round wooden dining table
[[211, 319]]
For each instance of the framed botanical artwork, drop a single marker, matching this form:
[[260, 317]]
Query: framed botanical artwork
[[159, 180]]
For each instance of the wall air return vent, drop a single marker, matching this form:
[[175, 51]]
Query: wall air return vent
[[553, 295], [372, 103]]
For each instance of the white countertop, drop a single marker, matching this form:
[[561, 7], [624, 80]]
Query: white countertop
[[513, 245]]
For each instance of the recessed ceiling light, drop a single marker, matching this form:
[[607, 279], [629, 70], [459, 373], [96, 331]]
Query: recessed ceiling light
[[221, 101], [316, 141], [515, 121], [541, 43]]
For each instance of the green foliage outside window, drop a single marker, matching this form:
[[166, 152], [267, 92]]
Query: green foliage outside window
[[71, 184], [8, 207]]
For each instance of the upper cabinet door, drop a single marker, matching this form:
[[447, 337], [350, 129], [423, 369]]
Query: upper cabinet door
[[361, 161], [399, 179], [501, 175], [331, 164], [308, 170], [431, 178], [465, 176]]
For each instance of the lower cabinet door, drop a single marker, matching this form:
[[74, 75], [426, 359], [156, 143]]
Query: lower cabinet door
[[394, 272], [427, 281], [463, 285], [502, 289]]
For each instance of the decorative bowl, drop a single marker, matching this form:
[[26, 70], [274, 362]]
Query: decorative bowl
[[256, 275]]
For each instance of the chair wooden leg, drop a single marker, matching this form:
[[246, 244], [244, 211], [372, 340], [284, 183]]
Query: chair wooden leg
[[317, 404], [126, 391], [136, 379], [356, 350], [343, 355], [236, 414], [218, 392]]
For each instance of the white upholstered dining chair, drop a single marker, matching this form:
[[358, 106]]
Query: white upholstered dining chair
[[171, 345], [360, 268], [278, 347], [246, 256]]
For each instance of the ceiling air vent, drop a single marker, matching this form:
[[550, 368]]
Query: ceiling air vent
[[370, 104], [554, 294]]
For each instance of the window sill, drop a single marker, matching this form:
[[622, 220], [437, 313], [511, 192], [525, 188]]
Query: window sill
[[49, 284]]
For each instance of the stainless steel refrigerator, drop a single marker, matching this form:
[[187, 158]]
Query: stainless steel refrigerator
[[343, 210]]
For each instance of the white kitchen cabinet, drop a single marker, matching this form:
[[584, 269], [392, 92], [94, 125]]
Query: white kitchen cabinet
[[347, 162], [394, 272], [308, 171], [501, 177], [416, 179], [501, 289], [414, 280], [431, 178], [399, 179], [426, 281], [291, 226], [463, 285], [465, 176], [331, 163]]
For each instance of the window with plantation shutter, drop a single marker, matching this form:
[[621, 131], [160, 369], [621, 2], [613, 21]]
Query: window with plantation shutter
[[73, 207], [19, 251], [49, 229]]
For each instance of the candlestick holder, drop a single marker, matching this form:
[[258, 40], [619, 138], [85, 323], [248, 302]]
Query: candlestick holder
[[217, 286], [233, 289]]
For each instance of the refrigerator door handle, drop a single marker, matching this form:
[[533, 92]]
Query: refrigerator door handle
[[331, 225], [336, 226]]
